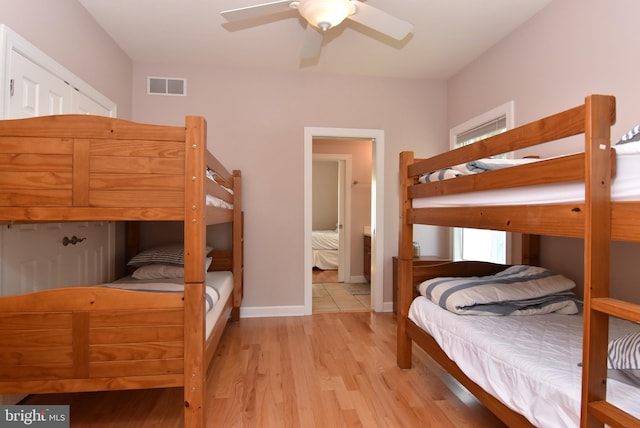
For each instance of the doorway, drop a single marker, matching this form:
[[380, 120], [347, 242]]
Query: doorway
[[331, 217], [376, 136]]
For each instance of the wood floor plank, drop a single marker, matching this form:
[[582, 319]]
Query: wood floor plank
[[324, 370]]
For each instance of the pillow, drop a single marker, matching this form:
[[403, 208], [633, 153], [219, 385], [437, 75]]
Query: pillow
[[624, 359], [624, 352], [160, 271], [631, 136], [167, 254]]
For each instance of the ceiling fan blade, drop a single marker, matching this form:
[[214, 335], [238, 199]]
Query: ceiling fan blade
[[380, 21], [256, 11], [312, 43]]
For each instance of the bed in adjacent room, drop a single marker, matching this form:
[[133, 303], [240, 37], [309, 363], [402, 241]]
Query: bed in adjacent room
[[325, 249]]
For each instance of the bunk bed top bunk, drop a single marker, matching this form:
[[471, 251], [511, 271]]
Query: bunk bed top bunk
[[68, 168], [596, 213]]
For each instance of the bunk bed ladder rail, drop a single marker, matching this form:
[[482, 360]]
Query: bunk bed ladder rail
[[405, 264], [596, 410]]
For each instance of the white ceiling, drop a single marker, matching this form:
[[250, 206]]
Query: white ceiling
[[447, 35]]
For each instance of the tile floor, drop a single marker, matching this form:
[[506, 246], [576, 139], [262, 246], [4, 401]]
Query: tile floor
[[332, 296]]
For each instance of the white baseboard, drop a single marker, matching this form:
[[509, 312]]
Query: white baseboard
[[271, 311], [287, 311]]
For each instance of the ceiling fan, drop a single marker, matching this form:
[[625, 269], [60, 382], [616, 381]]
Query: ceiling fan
[[323, 15]]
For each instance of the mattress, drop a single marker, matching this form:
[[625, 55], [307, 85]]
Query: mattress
[[219, 285], [325, 259], [530, 363], [623, 188], [324, 240]]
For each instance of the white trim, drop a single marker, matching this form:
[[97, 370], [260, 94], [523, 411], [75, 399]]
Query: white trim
[[271, 311], [505, 109], [377, 211]]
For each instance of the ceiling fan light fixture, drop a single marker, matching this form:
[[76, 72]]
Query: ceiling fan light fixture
[[325, 14]]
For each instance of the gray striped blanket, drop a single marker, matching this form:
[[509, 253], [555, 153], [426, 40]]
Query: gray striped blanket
[[473, 167], [166, 285], [518, 290]]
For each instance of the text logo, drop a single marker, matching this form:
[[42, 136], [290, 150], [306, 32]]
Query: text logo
[[34, 416]]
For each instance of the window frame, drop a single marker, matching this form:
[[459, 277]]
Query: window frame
[[505, 110]]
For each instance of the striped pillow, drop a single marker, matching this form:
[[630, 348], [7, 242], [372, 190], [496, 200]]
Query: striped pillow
[[624, 352], [166, 254], [631, 136]]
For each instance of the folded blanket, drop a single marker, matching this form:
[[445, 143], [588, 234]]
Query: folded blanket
[[518, 290], [169, 285], [473, 167]]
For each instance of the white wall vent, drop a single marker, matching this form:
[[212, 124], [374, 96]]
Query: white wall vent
[[166, 86]]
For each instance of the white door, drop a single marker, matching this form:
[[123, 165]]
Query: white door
[[82, 104], [35, 91], [343, 223], [38, 257]]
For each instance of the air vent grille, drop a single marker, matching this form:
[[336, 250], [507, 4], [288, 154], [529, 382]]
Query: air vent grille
[[166, 86]]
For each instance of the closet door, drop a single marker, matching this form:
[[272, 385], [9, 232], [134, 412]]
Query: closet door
[[82, 104], [34, 91], [38, 257]]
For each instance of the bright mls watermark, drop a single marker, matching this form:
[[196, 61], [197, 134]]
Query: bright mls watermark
[[34, 416]]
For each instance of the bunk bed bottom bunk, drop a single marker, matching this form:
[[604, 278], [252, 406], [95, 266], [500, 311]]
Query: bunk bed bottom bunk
[[529, 363], [218, 292], [129, 334], [525, 369], [104, 337]]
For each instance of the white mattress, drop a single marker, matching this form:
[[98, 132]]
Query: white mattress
[[530, 363], [223, 282], [624, 187]]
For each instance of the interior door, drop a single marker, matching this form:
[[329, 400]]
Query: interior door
[[38, 257], [342, 230], [35, 91], [82, 104]]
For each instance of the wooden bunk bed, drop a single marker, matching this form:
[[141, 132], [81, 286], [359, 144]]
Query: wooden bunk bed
[[595, 217], [88, 338]]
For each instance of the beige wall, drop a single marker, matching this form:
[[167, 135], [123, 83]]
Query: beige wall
[[256, 122], [66, 32], [571, 49], [324, 215]]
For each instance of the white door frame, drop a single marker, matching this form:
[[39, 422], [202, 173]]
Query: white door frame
[[377, 207]]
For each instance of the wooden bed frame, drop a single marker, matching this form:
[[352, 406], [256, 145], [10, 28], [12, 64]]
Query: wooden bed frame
[[598, 220], [89, 168]]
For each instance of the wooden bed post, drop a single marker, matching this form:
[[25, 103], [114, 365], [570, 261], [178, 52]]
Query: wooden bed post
[[194, 250], [597, 246], [405, 264], [530, 249], [238, 246]]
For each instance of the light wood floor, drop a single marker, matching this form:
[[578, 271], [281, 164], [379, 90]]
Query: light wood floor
[[324, 370]]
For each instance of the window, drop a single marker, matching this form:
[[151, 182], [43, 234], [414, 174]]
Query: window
[[475, 244]]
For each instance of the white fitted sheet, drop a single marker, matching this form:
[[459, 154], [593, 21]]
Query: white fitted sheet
[[530, 363], [624, 187], [223, 282], [324, 240]]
